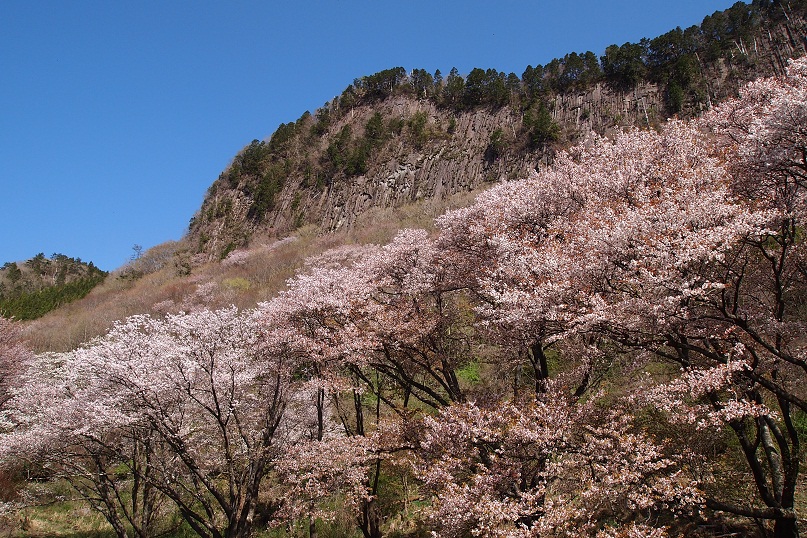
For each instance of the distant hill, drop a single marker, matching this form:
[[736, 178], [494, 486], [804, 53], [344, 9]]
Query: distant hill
[[31, 289], [399, 136]]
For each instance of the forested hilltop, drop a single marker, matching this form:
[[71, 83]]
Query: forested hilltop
[[35, 287], [403, 135]]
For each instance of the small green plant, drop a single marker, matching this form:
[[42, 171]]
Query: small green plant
[[237, 284], [395, 126], [469, 373], [417, 129], [541, 128], [496, 146], [295, 202], [675, 97]]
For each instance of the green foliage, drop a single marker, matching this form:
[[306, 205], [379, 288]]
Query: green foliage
[[295, 202], [721, 30], [395, 126], [496, 146], [249, 163], [253, 158], [513, 85], [35, 304], [282, 137], [422, 83], [261, 169], [375, 131], [485, 88], [552, 72], [541, 128], [578, 71], [799, 419], [453, 90], [349, 97], [417, 129], [323, 121], [299, 220], [624, 66], [532, 81], [474, 93], [382, 84], [231, 246], [469, 374], [263, 196], [338, 152], [350, 156], [438, 85], [12, 272], [357, 162], [675, 97], [43, 284], [671, 57]]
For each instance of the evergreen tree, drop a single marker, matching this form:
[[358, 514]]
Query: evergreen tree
[[454, 89]]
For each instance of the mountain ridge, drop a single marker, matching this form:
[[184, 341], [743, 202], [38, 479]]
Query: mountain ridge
[[437, 137]]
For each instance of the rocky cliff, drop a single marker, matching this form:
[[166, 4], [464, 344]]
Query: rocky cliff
[[353, 155]]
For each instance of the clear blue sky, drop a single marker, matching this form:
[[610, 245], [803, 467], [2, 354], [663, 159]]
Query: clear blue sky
[[116, 116]]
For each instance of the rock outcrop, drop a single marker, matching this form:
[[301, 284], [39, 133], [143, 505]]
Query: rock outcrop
[[448, 151]]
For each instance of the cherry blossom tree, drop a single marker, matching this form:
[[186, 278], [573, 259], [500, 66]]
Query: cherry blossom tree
[[334, 468], [204, 394], [674, 260], [680, 246], [416, 315], [552, 467], [386, 310], [326, 305], [12, 357], [383, 321], [754, 313], [720, 284], [67, 426]]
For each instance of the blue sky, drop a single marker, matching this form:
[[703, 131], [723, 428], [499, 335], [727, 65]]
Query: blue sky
[[116, 116]]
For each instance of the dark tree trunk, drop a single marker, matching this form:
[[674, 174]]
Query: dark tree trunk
[[785, 528], [540, 367], [369, 521]]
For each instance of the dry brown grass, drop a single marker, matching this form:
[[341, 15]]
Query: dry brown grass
[[243, 279]]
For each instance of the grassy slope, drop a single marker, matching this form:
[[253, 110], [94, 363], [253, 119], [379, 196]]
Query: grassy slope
[[213, 285]]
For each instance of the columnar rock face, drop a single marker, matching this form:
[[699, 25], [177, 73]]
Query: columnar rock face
[[402, 173], [452, 151], [450, 159]]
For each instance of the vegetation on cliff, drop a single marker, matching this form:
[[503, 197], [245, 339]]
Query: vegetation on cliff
[[397, 116], [609, 343]]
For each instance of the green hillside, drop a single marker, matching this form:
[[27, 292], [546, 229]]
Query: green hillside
[[31, 289]]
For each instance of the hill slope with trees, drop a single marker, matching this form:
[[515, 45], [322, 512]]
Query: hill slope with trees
[[610, 347], [401, 135], [607, 342], [32, 289], [398, 140]]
